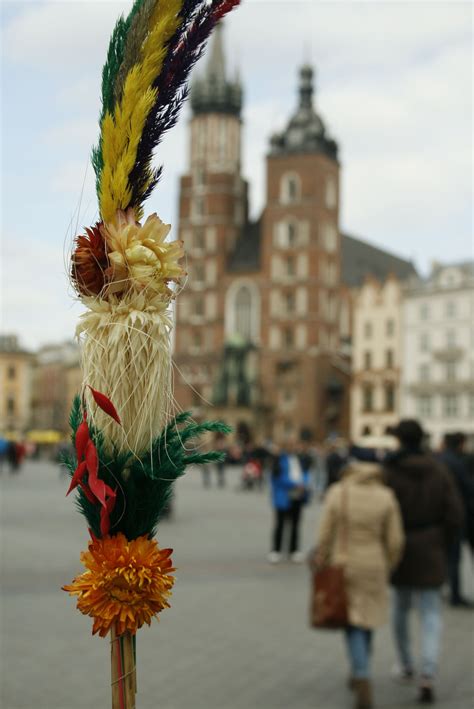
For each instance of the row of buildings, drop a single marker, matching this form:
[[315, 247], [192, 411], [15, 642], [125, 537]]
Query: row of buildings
[[406, 348], [286, 323]]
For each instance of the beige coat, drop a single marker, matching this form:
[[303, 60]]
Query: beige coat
[[374, 540]]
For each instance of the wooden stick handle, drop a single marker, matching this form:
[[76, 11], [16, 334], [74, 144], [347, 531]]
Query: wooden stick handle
[[116, 671], [123, 670], [129, 670]]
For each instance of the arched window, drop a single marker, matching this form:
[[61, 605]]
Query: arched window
[[291, 234], [331, 193], [290, 188], [242, 310], [243, 307]]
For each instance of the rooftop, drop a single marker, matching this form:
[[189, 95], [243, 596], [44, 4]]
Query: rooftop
[[305, 132], [360, 259]]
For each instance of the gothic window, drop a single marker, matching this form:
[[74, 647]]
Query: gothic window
[[288, 340], [243, 312], [290, 188], [198, 241], [366, 431], [331, 193], [198, 272], [10, 406], [389, 358], [330, 238], [291, 234], [290, 266], [198, 206], [199, 305], [290, 302]]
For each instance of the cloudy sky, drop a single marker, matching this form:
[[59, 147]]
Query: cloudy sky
[[393, 86]]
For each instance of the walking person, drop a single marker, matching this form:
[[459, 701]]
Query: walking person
[[290, 488], [432, 517], [361, 530], [454, 460]]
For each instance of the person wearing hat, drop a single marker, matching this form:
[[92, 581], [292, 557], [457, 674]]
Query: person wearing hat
[[432, 515]]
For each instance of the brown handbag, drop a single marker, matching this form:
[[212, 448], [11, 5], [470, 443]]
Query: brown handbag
[[329, 602]]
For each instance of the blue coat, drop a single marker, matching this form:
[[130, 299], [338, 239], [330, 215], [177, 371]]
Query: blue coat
[[282, 485]]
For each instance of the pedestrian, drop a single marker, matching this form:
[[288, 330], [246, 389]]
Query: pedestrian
[[220, 445], [290, 489], [336, 458], [453, 458], [361, 530], [432, 514]]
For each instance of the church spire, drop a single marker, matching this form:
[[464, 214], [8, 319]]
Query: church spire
[[213, 92], [305, 132]]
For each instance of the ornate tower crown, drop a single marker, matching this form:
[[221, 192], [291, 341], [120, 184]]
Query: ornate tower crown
[[213, 92], [305, 132]]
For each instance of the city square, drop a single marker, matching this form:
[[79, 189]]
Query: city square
[[237, 633], [237, 324]]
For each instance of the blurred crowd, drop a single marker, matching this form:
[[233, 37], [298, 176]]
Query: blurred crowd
[[396, 516]]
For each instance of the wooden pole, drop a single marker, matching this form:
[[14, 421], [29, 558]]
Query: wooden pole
[[123, 670], [116, 670], [129, 670]]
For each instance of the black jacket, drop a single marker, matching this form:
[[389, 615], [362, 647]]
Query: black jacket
[[432, 514]]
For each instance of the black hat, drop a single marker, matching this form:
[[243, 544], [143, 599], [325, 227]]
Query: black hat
[[409, 432]]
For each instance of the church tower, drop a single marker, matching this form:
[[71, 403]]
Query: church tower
[[301, 260], [212, 212]]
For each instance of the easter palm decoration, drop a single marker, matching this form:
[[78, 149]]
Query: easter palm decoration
[[129, 448]]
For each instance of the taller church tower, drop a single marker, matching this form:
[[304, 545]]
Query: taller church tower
[[212, 212]]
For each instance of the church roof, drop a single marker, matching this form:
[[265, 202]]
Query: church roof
[[359, 259], [213, 92], [305, 132]]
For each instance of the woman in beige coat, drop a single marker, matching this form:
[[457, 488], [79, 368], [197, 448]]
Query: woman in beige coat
[[361, 529]]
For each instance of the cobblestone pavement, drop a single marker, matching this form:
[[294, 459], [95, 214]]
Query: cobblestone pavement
[[236, 636]]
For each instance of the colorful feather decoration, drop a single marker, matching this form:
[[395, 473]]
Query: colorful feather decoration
[[143, 87], [129, 446]]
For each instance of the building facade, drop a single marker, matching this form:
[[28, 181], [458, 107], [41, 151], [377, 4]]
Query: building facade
[[54, 377], [258, 334], [15, 386], [438, 372], [376, 357]]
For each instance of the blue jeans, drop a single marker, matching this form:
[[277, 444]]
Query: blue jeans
[[359, 648], [429, 608]]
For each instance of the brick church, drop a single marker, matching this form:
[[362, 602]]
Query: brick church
[[258, 326]]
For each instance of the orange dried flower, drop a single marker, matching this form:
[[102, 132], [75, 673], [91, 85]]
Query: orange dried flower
[[89, 261], [126, 583]]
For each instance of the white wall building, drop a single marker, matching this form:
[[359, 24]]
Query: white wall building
[[438, 351], [376, 357]]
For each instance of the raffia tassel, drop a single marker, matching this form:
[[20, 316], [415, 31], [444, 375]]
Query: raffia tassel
[[126, 354]]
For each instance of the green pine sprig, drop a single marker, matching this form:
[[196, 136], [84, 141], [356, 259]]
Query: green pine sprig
[[144, 486]]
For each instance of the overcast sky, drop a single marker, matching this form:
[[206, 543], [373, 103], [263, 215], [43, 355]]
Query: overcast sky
[[394, 86]]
